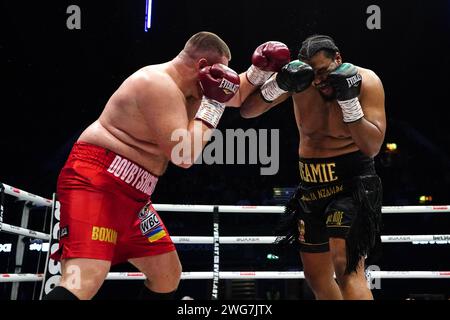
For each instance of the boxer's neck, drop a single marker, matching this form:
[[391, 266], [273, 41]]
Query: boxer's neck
[[184, 71]]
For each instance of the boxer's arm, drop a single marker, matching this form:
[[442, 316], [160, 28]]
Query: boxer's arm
[[267, 59], [368, 132], [254, 105], [245, 90], [219, 85], [190, 146], [294, 77], [164, 109]]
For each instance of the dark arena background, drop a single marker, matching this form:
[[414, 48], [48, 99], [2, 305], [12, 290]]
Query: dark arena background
[[56, 77]]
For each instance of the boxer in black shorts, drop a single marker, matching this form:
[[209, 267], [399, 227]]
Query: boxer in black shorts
[[336, 198], [334, 216]]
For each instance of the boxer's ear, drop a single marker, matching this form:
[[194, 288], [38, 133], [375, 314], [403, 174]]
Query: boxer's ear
[[338, 58], [202, 63]]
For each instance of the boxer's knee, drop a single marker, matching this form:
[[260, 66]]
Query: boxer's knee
[[163, 271], [352, 285], [84, 277], [318, 281], [165, 280], [339, 257], [348, 280], [339, 263], [323, 286], [318, 270]]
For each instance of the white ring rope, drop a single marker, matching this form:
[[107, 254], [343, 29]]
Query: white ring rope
[[280, 209], [21, 277], [204, 275], [27, 196], [415, 239], [37, 200], [24, 232], [283, 275], [184, 208]]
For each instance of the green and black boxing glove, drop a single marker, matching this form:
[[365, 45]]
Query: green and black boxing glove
[[295, 77], [346, 81]]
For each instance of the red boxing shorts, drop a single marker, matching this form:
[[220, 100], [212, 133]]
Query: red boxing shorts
[[106, 212]]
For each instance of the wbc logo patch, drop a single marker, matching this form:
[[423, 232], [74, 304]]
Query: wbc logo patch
[[150, 225]]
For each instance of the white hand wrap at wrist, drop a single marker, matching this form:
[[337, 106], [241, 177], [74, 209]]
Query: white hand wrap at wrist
[[210, 111], [257, 76], [270, 90], [351, 110]]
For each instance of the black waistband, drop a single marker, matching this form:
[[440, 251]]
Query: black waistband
[[314, 171]]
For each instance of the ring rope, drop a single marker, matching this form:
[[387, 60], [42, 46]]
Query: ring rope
[[24, 232], [27, 196], [415, 239], [207, 275]]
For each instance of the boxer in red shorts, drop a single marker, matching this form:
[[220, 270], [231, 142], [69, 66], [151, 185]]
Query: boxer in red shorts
[[108, 205], [105, 186]]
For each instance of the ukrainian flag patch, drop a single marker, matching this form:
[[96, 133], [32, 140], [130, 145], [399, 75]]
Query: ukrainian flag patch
[[156, 234]]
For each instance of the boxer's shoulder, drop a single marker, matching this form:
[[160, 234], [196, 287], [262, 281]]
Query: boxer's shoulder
[[370, 81], [155, 75], [156, 83]]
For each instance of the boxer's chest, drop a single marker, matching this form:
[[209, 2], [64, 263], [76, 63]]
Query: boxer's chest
[[316, 117], [192, 105]]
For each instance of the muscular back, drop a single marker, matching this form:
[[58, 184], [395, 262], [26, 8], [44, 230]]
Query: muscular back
[[322, 131], [129, 124]]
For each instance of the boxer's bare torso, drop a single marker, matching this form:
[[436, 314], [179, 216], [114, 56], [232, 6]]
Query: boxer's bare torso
[[125, 129], [322, 131]]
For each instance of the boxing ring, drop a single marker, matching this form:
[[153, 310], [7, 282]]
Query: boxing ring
[[51, 275]]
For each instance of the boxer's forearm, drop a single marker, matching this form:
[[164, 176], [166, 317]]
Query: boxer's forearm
[[255, 105], [190, 143], [245, 90], [219, 84], [367, 136]]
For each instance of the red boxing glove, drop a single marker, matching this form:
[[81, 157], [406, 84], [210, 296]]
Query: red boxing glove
[[271, 56], [219, 84], [268, 58]]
